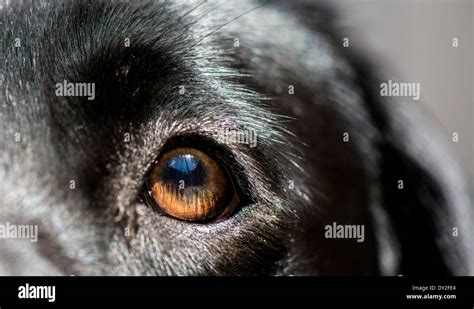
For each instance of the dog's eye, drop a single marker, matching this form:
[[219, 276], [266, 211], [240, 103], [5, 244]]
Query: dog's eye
[[189, 185]]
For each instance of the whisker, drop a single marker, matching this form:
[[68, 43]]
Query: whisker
[[167, 29], [225, 24]]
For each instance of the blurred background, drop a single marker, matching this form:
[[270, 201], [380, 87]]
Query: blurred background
[[412, 41]]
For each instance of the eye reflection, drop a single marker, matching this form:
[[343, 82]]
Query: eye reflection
[[188, 184]]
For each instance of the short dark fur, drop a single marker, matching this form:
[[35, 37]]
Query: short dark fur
[[278, 231]]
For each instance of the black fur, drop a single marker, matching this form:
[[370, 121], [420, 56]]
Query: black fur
[[277, 231]]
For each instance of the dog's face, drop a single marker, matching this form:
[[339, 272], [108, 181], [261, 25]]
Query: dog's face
[[171, 77]]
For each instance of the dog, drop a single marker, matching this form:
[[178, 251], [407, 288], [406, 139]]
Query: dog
[[330, 153]]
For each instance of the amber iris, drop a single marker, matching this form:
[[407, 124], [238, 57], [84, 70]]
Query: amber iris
[[187, 184]]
